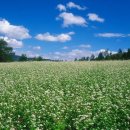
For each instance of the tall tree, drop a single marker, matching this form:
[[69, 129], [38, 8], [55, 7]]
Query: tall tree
[[92, 57], [119, 51], [75, 59], [119, 55], [39, 58], [128, 53], [100, 56], [106, 54], [23, 57], [87, 58], [6, 52]]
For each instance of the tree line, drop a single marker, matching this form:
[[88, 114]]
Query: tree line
[[7, 55], [24, 57], [107, 55]]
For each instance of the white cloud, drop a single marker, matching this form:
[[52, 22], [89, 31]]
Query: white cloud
[[75, 53], [36, 48], [71, 5], [85, 46], [70, 55], [13, 42], [102, 50], [61, 7], [64, 37], [95, 17], [114, 52], [57, 53], [71, 33], [71, 19], [65, 47], [13, 31], [110, 35], [31, 54]]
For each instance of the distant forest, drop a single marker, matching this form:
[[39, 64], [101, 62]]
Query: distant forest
[[7, 55], [107, 55]]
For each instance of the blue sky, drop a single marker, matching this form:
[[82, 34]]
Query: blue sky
[[65, 29]]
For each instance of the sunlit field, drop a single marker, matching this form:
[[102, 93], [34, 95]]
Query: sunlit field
[[65, 95]]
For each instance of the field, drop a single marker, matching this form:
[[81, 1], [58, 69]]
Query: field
[[65, 95]]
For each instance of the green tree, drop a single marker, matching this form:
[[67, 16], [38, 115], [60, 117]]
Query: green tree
[[128, 53], [100, 56], [92, 57], [23, 57], [6, 52], [39, 58], [124, 56], [87, 58], [75, 59], [83, 59], [106, 54], [119, 55], [119, 51]]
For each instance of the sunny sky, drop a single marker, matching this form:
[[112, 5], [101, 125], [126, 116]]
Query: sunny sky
[[65, 29]]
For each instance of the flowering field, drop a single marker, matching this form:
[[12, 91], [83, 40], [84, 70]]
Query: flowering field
[[65, 96]]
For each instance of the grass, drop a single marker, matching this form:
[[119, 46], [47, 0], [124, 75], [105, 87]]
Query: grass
[[65, 96]]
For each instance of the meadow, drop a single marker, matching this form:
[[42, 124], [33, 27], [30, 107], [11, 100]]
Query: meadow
[[65, 95]]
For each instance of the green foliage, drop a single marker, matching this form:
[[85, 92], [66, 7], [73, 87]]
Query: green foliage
[[39, 58], [92, 57], [107, 55], [23, 57], [65, 96], [6, 52], [128, 54], [100, 56]]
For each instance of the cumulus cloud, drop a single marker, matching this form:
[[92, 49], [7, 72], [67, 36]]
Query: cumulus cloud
[[64, 37], [65, 47], [70, 55], [36, 48], [95, 17], [71, 5], [102, 50], [85, 46], [110, 35], [71, 19], [13, 42], [31, 54], [13, 31], [61, 7], [71, 33]]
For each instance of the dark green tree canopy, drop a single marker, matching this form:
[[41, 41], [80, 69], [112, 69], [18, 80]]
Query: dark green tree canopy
[[6, 52], [100, 56], [23, 57], [107, 55], [39, 58]]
